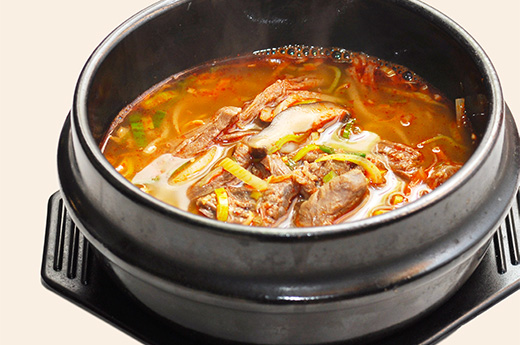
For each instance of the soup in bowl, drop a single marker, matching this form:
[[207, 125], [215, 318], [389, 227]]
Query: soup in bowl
[[296, 136]]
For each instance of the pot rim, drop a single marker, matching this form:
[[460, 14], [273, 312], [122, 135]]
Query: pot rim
[[490, 79]]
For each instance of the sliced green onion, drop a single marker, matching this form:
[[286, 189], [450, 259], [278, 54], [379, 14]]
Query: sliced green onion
[[158, 118], [330, 175], [347, 129], [326, 149], [360, 154], [290, 163], [242, 174], [138, 129], [284, 140], [222, 204], [372, 171], [179, 169]]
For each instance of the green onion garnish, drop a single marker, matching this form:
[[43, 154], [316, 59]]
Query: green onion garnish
[[291, 164], [158, 118], [326, 149], [137, 129], [330, 175], [347, 129]]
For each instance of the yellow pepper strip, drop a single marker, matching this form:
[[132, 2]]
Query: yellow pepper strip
[[396, 199], [373, 172], [256, 195], [298, 138], [304, 150], [379, 211], [222, 204], [236, 170]]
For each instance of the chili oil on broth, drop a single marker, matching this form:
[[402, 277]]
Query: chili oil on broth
[[384, 102]]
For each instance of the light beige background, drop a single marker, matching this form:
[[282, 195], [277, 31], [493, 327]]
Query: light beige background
[[44, 45]]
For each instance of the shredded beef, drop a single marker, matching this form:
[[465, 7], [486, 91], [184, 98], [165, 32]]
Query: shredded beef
[[241, 206], [274, 93], [200, 138], [220, 177], [275, 201], [276, 165], [310, 175], [403, 160], [440, 173], [333, 199]]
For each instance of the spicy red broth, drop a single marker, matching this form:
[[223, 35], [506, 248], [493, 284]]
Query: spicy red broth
[[279, 140]]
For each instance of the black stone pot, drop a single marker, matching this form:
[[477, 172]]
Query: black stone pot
[[356, 280]]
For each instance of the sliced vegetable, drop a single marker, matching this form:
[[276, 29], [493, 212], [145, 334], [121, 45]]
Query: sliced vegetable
[[158, 99], [290, 163], [304, 150], [137, 129], [127, 166], [120, 135], [347, 129], [195, 165], [382, 210], [440, 137], [388, 71], [158, 118], [297, 138], [396, 199], [326, 149], [372, 171], [242, 174], [366, 142], [222, 204], [192, 125], [330, 175], [181, 168], [256, 194], [337, 76], [147, 123], [414, 95]]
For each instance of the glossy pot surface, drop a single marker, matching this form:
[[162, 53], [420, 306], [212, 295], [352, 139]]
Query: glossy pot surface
[[306, 285]]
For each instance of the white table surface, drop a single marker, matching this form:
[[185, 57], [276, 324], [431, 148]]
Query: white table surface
[[44, 45]]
